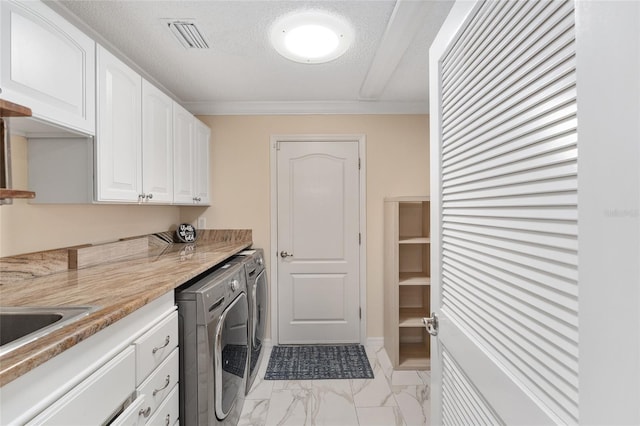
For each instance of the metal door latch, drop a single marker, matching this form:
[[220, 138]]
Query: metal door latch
[[431, 324]]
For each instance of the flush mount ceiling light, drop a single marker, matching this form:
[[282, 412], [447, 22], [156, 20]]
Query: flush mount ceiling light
[[311, 37]]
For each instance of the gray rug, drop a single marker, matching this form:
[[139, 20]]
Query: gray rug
[[314, 362]]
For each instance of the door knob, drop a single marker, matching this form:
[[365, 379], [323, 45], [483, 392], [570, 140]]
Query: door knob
[[284, 254]]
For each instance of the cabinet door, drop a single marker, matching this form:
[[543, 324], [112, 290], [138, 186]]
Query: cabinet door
[[47, 64], [119, 135], [96, 398], [183, 127], [201, 163], [157, 145]]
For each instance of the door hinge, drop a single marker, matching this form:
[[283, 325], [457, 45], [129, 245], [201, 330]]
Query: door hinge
[[359, 238], [360, 312], [359, 164]]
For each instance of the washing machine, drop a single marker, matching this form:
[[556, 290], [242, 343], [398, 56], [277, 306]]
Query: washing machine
[[214, 346]]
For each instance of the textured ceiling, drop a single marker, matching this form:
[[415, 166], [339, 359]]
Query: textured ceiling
[[242, 73]]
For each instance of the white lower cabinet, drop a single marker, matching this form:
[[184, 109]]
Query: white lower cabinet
[[133, 415], [124, 374], [160, 383], [168, 411], [157, 367], [94, 400], [155, 346]]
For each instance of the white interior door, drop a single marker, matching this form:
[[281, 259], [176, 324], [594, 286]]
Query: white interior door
[[318, 242], [525, 248]]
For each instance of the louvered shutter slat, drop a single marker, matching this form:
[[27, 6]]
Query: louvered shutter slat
[[509, 199]]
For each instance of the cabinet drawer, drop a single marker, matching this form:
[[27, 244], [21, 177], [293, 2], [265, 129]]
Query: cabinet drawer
[[167, 413], [95, 399], [155, 345], [133, 415], [159, 384]]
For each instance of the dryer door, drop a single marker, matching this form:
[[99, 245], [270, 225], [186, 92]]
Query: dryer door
[[231, 349]]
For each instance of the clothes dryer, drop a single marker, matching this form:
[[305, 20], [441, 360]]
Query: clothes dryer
[[257, 296]]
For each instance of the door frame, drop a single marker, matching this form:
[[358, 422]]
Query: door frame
[[362, 188]]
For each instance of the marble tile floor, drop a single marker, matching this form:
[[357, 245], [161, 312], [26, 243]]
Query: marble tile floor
[[392, 398]]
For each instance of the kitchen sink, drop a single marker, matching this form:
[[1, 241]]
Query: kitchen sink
[[21, 325]]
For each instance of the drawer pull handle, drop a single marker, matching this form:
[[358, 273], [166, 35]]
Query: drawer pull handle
[[144, 412], [166, 343], [166, 384], [168, 419]]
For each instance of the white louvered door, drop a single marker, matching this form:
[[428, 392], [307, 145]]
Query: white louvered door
[[512, 243], [508, 216]]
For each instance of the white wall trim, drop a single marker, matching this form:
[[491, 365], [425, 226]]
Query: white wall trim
[[307, 107], [375, 342], [361, 139]]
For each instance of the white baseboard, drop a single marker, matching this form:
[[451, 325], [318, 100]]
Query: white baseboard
[[375, 342]]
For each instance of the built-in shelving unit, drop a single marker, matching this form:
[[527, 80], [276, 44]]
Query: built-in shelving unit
[[407, 281], [9, 109]]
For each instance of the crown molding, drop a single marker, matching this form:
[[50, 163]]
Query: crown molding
[[307, 107]]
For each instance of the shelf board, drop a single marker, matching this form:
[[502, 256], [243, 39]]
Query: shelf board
[[412, 317], [414, 278], [414, 356], [408, 199], [15, 193], [414, 240], [9, 109]]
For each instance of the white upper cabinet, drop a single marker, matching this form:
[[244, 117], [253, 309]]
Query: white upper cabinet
[[157, 145], [183, 128], [119, 133], [201, 163], [48, 65], [191, 152]]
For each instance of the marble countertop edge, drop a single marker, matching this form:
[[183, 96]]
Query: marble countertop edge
[[117, 289]]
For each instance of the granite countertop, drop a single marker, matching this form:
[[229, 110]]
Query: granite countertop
[[116, 288]]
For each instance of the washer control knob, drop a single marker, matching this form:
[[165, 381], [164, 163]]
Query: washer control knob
[[234, 285], [260, 261]]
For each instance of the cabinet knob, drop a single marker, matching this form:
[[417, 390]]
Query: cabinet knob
[[197, 199], [149, 196], [142, 196], [144, 412], [284, 254]]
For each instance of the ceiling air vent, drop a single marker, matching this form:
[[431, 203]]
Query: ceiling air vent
[[187, 33]]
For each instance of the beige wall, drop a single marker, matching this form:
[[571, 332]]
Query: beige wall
[[25, 228], [397, 163]]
